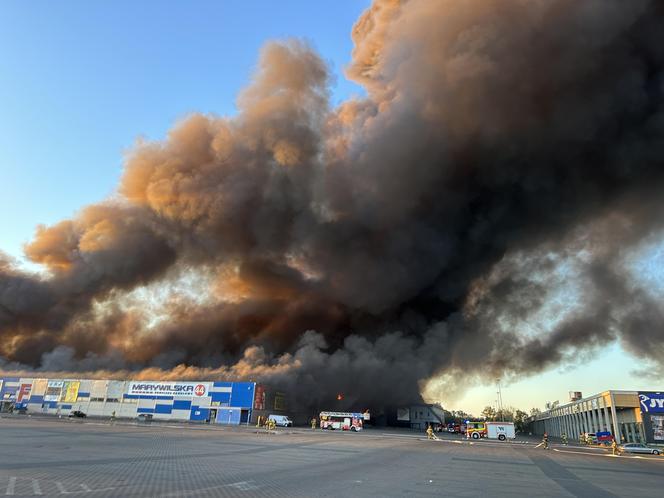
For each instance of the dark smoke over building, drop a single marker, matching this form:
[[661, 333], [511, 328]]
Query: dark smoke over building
[[475, 212]]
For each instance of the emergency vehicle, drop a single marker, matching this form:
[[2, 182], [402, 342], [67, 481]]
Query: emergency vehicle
[[500, 430], [345, 421], [475, 430]]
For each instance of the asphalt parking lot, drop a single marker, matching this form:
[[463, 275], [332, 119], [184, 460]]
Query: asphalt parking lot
[[51, 457]]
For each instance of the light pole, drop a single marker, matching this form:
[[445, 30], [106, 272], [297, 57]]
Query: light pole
[[500, 399]]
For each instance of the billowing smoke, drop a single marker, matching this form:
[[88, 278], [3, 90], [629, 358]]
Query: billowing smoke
[[476, 212]]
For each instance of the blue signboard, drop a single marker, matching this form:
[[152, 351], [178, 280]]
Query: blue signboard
[[651, 402], [604, 436]]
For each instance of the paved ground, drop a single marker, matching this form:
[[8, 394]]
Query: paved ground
[[53, 457]]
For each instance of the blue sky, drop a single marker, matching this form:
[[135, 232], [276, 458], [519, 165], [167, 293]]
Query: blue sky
[[81, 80]]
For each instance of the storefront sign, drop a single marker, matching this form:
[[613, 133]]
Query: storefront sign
[[604, 436], [187, 389], [23, 393], [651, 402]]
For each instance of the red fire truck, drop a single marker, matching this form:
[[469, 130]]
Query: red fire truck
[[345, 421]]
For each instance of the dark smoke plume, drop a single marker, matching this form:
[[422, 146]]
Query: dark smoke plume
[[508, 155]]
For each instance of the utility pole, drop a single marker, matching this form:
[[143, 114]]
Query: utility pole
[[500, 400]]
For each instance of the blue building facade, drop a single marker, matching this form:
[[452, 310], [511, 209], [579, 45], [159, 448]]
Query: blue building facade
[[206, 402]]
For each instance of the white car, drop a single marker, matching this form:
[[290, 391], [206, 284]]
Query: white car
[[281, 420], [639, 448]]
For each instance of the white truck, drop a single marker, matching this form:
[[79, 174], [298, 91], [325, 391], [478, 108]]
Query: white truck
[[281, 420], [500, 430]]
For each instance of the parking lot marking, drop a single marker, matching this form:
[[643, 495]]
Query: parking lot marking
[[35, 487], [244, 485], [61, 488], [85, 488], [10, 486]]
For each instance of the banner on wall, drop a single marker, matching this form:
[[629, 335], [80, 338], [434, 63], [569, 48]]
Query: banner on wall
[[651, 402], [70, 391], [23, 393], [657, 422], [259, 398], [53, 390], [183, 389]]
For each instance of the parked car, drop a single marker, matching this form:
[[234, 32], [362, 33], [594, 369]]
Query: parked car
[[144, 417], [639, 448], [281, 420], [77, 414]]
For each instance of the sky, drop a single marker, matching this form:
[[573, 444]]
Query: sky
[[81, 81]]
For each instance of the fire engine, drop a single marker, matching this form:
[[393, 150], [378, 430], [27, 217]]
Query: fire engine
[[475, 430], [344, 421]]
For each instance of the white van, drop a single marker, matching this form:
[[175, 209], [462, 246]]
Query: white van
[[500, 430], [281, 420]]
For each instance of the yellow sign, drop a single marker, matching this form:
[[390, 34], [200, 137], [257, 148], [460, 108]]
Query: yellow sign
[[70, 391]]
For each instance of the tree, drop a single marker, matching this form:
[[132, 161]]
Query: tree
[[505, 414], [534, 412], [520, 420], [457, 416], [489, 413]]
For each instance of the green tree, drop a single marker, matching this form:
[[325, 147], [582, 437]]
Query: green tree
[[489, 413], [520, 420]]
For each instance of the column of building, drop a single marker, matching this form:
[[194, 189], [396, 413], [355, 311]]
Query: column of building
[[589, 416], [595, 419]]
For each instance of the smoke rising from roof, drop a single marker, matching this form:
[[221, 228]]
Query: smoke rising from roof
[[505, 149]]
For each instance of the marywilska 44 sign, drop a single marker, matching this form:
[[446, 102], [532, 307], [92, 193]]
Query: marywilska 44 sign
[[187, 389]]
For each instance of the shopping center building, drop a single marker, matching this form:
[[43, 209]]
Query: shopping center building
[[212, 402], [632, 416]]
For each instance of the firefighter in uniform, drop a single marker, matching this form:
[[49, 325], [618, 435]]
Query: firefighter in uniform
[[564, 439], [614, 448], [429, 432], [313, 423], [545, 441]]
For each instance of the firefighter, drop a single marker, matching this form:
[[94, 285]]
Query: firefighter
[[313, 423], [564, 439], [545, 441], [615, 450], [429, 432], [259, 422]]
